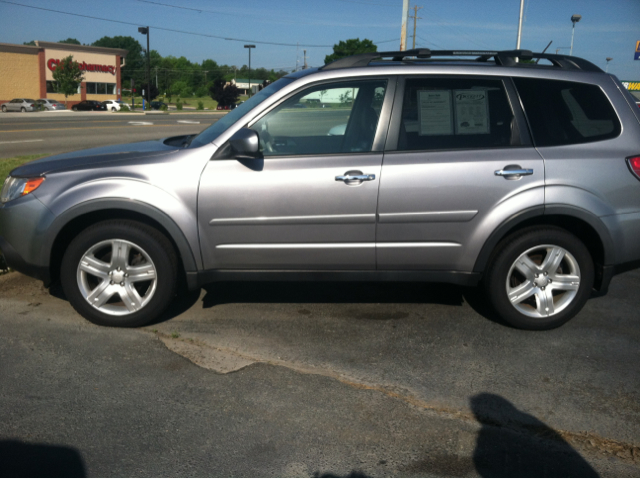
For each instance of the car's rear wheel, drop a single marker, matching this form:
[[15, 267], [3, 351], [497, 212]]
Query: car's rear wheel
[[540, 278], [120, 273], [4, 108], [74, 108], [23, 110], [113, 109]]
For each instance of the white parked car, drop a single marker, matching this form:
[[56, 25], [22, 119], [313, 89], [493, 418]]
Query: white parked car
[[112, 105]]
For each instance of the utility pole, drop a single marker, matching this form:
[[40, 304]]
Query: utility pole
[[415, 19], [520, 25], [403, 28], [304, 65], [145, 31]]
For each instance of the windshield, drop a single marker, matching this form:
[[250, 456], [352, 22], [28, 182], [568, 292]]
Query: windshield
[[215, 130]]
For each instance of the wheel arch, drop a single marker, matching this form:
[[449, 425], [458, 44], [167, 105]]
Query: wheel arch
[[72, 222], [583, 224]]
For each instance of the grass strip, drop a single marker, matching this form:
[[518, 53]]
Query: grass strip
[[8, 164]]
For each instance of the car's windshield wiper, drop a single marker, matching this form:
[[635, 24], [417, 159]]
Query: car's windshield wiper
[[188, 141]]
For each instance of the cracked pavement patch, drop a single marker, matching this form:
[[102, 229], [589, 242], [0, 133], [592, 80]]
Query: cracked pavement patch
[[300, 380]]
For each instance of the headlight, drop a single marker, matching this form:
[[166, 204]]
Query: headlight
[[15, 187]]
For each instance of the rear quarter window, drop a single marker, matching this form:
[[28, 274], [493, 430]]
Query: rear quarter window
[[567, 113]]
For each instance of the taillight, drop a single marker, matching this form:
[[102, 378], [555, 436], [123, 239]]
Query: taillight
[[634, 165]]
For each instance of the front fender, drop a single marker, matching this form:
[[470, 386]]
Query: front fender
[[128, 194]]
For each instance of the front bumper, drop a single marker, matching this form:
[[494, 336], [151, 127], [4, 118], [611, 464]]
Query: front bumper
[[23, 227]]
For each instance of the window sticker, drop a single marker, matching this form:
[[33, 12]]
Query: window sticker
[[435, 112], [472, 112]]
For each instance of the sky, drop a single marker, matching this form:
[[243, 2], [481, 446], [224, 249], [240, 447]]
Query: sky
[[609, 28]]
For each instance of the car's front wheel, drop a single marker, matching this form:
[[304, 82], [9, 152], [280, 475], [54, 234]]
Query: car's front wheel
[[120, 273], [74, 108], [540, 278], [113, 109], [4, 108]]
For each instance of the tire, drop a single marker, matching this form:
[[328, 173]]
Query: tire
[[539, 278], [23, 110], [113, 110], [4, 108], [127, 290], [74, 108]]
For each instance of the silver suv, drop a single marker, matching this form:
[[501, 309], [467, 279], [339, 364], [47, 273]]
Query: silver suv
[[472, 168]]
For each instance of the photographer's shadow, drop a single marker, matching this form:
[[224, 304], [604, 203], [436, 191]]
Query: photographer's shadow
[[512, 443]]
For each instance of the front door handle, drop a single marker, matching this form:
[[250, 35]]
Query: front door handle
[[514, 172], [348, 177]]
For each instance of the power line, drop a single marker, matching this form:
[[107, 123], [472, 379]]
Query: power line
[[442, 23], [166, 29], [367, 3]]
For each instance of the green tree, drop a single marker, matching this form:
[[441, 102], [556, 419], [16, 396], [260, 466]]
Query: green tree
[[225, 95], [68, 77], [71, 41], [135, 65], [32, 43], [352, 46]]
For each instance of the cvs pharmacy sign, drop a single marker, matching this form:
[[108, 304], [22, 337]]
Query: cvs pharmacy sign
[[53, 63]]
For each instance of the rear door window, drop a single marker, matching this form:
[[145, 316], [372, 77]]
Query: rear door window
[[566, 113], [447, 113]]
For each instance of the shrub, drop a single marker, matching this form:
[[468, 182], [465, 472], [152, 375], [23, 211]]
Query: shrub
[[124, 107], [202, 92], [164, 107], [179, 105], [200, 106], [186, 92]]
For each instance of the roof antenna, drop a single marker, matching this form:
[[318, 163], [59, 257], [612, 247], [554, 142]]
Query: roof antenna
[[545, 49]]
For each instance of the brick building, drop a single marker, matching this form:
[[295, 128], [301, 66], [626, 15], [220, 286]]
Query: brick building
[[27, 71]]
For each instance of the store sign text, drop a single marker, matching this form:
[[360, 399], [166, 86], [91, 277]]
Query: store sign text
[[53, 63]]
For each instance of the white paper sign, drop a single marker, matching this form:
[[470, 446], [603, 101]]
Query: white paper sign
[[472, 112], [435, 112]]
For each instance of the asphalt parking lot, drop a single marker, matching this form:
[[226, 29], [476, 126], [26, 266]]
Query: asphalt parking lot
[[324, 380]]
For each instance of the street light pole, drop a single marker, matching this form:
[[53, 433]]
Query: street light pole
[[608, 60], [574, 19], [145, 31], [249, 47]]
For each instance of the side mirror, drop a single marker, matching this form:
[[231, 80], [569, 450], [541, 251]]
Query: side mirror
[[245, 144]]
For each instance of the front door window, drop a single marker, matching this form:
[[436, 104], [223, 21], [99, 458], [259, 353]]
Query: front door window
[[325, 119]]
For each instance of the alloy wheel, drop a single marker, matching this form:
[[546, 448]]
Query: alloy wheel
[[543, 281], [117, 277]]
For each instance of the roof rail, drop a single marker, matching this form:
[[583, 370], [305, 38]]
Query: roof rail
[[503, 58]]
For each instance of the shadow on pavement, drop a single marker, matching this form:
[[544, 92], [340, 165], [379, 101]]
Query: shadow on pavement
[[19, 459], [512, 443], [353, 473], [331, 292]]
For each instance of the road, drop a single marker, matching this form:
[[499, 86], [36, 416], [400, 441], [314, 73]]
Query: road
[[322, 380], [60, 132]]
